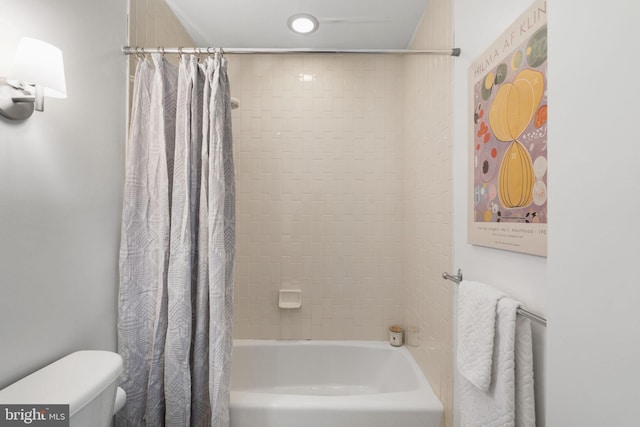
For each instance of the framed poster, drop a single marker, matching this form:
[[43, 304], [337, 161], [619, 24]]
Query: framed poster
[[508, 138]]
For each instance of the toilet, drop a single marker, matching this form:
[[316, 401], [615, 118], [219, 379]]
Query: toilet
[[85, 380]]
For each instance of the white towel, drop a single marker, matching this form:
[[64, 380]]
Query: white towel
[[509, 401], [525, 396], [477, 304]]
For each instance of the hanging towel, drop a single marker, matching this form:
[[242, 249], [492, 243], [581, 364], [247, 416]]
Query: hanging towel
[[525, 397], [509, 400], [477, 304]]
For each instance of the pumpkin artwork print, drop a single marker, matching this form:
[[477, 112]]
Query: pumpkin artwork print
[[508, 163], [510, 114]]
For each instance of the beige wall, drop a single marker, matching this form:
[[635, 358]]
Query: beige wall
[[319, 205], [153, 24], [427, 199]]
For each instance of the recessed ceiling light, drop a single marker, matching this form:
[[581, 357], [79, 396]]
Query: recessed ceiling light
[[303, 23]]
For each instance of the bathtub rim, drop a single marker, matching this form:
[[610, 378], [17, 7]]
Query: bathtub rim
[[422, 398]]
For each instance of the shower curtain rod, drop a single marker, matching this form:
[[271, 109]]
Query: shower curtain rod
[[129, 50]]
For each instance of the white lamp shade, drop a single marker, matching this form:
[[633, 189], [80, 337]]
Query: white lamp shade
[[40, 63]]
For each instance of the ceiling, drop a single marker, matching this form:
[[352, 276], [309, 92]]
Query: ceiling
[[344, 24]]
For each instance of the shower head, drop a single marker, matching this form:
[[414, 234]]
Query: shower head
[[234, 103]]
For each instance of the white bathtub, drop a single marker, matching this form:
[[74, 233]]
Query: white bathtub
[[329, 383]]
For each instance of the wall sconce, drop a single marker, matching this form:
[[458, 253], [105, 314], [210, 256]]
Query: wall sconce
[[37, 71]]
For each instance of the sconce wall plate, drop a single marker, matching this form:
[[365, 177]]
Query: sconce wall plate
[[11, 109]]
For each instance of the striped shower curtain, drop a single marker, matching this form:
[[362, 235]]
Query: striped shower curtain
[[177, 246]]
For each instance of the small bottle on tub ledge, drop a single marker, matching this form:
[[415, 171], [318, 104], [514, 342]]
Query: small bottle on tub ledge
[[395, 335]]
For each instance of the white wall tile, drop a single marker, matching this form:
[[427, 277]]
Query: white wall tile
[[331, 219], [427, 201]]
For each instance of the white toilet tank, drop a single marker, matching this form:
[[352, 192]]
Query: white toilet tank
[[85, 380]]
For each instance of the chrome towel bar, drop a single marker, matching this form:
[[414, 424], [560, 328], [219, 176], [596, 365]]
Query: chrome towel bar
[[521, 311]]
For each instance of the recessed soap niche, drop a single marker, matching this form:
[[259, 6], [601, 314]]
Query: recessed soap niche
[[290, 298]]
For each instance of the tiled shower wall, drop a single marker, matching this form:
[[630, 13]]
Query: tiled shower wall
[[319, 195], [427, 201], [153, 24], [344, 190]]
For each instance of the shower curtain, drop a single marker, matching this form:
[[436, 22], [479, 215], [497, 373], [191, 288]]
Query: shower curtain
[[177, 246]]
